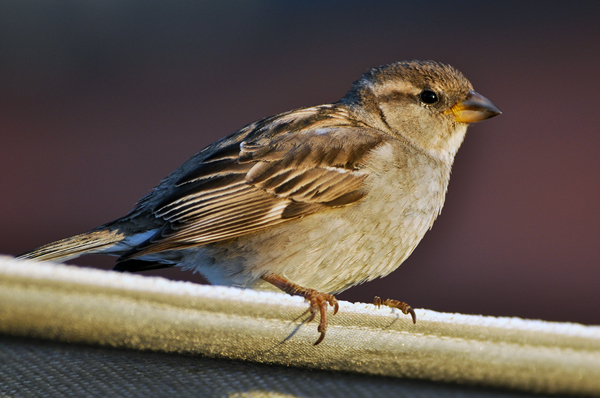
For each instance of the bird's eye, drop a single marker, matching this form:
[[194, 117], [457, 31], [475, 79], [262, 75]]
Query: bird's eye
[[429, 97]]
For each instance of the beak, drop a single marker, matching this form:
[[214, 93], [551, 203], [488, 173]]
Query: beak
[[474, 109]]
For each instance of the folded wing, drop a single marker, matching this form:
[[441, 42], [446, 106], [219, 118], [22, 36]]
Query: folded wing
[[251, 185]]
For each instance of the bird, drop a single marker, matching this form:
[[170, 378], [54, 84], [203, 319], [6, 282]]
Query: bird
[[312, 201]]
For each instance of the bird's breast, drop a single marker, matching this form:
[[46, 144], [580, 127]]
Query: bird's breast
[[335, 249]]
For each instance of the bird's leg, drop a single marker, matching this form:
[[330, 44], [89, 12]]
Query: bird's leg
[[318, 301], [401, 305]]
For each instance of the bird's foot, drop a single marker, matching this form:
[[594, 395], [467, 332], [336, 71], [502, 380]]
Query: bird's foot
[[401, 305], [318, 301]]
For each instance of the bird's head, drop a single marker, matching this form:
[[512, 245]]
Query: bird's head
[[426, 102]]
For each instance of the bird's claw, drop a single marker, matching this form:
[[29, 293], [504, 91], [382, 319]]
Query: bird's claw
[[318, 303], [401, 305]]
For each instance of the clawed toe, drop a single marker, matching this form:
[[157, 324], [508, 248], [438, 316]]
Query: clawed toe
[[401, 305], [318, 301]]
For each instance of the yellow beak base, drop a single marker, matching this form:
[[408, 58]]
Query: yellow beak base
[[474, 109]]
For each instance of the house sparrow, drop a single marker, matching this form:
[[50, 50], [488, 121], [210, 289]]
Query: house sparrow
[[311, 201]]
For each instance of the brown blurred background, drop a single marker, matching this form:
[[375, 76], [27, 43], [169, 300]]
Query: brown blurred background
[[100, 100]]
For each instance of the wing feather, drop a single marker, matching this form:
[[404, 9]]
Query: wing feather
[[278, 176], [199, 204]]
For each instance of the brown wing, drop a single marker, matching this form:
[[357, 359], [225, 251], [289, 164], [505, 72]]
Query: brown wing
[[248, 186]]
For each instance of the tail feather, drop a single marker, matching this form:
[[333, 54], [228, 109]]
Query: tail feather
[[140, 265], [93, 242]]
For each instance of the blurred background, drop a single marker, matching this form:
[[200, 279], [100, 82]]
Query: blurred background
[[99, 100]]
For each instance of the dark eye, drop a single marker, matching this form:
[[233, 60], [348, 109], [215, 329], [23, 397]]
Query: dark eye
[[429, 97]]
